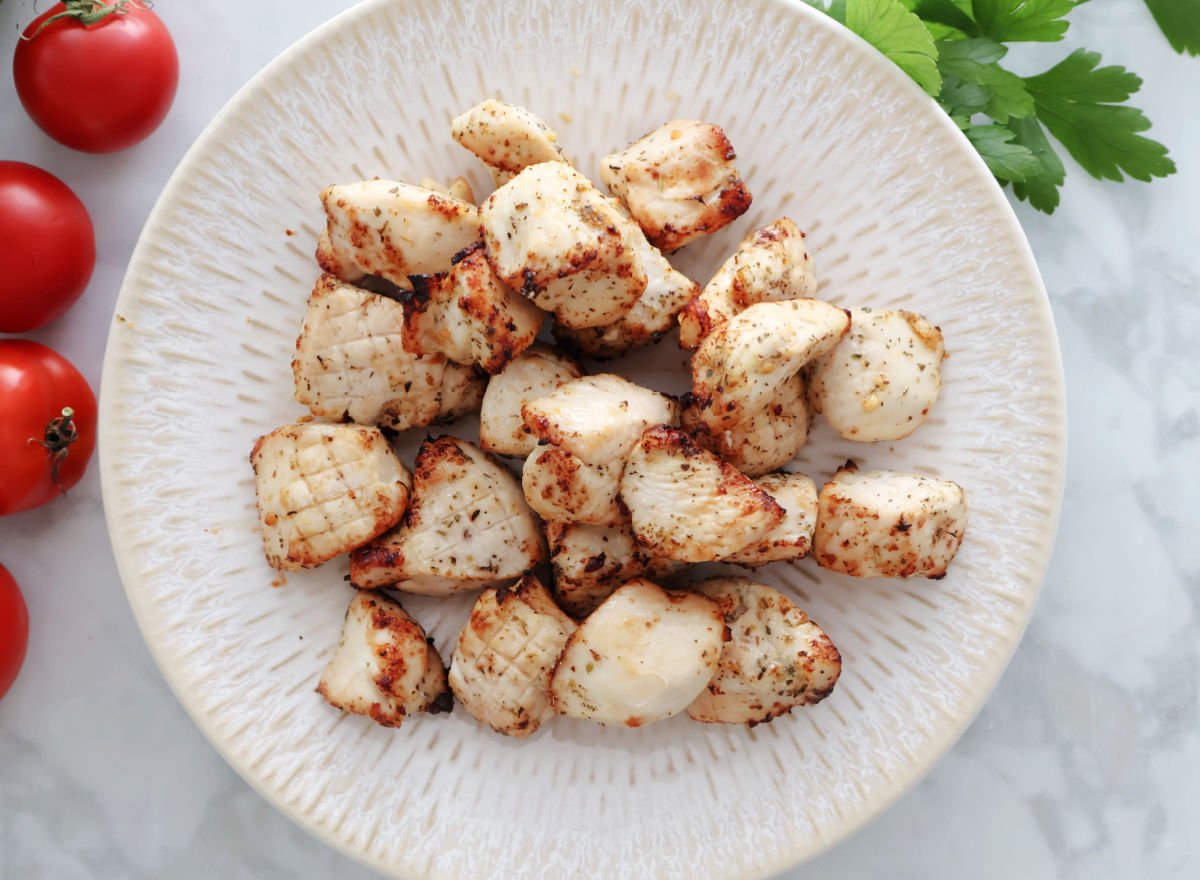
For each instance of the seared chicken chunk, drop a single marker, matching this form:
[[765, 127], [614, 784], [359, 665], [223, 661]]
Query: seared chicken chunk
[[763, 441], [687, 504], [776, 658], [792, 538], [643, 655], [554, 237], [534, 373], [501, 668], [770, 265], [679, 182], [467, 527], [599, 418], [393, 230], [506, 138], [887, 524], [590, 424], [469, 315], [651, 317], [384, 666], [591, 561], [740, 366], [562, 487], [882, 379], [324, 490], [351, 364], [458, 187]]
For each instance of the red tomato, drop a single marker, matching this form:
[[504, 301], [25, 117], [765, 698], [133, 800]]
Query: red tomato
[[49, 247], [47, 425], [97, 81], [14, 630]]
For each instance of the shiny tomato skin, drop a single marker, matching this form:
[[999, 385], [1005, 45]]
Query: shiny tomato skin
[[14, 630], [49, 247], [36, 383], [101, 87]]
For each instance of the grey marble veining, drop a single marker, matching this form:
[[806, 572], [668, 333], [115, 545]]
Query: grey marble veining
[[1084, 764]]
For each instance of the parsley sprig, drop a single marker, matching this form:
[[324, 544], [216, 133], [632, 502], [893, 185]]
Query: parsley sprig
[[953, 49]]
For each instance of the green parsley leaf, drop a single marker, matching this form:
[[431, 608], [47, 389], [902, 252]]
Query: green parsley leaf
[[1179, 20], [960, 98], [975, 61], [1041, 189], [946, 13], [897, 33], [1007, 160], [1011, 21], [1078, 103]]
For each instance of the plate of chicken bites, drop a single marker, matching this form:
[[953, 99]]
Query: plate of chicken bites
[[610, 458]]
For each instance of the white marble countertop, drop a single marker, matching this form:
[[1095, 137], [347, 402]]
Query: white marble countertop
[[1085, 763]]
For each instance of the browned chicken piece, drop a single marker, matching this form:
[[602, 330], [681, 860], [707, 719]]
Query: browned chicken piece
[[589, 424], [535, 373], [764, 440], [888, 524], [458, 188], [881, 381], [648, 320], [506, 138], [469, 315], [553, 236], [351, 364], [384, 666], [467, 527], [687, 504], [792, 538], [770, 265], [591, 561], [776, 658], [501, 668], [746, 371], [679, 182], [645, 654], [391, 229], [324, 490]]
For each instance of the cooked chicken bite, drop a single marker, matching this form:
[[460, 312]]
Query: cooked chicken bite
[[687, 504], [888, 524], [393, 230], [384, 666], [554, 237], [501, 668], [467, 527], [534, 373], [506, 138], [458, 187], [679, 182], [746, 374], [562, 487], [591, 561], [642, 656], [324, 490], [740, 366], [770, 265], [599, 418], [351, 364], [792, 538], [469, 315], [590, 424], [880, 382], [763, 441], [776, 658]]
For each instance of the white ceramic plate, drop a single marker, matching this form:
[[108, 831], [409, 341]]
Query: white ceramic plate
[[899, 211]]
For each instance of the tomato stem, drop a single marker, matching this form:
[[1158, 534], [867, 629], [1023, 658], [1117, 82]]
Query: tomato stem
[[60, 434], [88, 12]]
